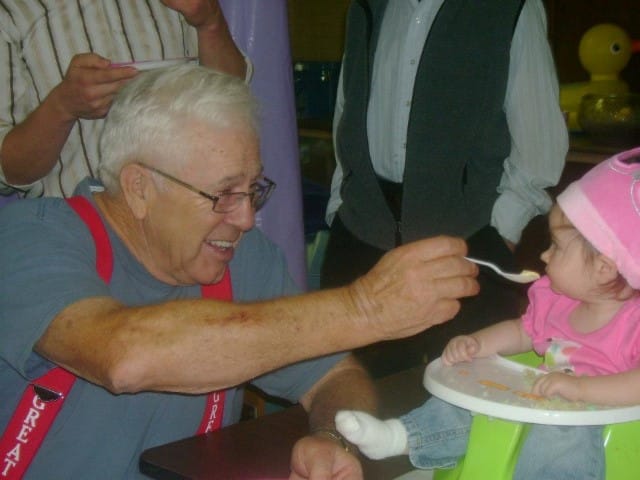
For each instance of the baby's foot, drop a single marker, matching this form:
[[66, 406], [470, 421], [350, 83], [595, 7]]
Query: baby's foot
[[375, 438]]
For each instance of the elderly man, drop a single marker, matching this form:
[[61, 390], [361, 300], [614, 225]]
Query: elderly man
[[104, 292]]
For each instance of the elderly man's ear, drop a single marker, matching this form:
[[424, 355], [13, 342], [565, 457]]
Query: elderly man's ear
[[137, 188]]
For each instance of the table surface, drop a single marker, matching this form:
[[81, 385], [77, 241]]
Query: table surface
[[261, 448]]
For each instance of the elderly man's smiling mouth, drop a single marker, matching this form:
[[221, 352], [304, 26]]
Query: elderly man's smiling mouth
[[223, 244]]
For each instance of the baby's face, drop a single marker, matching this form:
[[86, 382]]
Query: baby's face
[[567, 267]]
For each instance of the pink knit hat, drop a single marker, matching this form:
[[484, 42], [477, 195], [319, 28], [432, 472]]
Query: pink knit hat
[[604, 205]]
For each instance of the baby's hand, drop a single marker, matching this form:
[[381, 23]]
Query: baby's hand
[[460, 349], [557, 383]]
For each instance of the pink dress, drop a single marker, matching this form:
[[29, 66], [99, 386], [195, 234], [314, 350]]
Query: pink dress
[[611, 349]]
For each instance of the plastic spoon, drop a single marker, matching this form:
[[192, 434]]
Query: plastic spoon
[[525, 276], [151, 64]]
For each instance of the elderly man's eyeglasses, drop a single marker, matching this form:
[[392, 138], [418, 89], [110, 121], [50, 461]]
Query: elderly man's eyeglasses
[[225, 202]]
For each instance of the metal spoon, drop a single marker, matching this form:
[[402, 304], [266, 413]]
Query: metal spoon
[[525, 276]]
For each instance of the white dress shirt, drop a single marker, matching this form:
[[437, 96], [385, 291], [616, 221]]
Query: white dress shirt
[[539, 138]]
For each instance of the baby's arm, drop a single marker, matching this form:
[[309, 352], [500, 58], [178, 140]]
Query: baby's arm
[[506, 338], [618, 389]]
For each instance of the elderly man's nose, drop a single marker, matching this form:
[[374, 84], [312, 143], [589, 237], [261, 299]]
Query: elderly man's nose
[[244, 215]]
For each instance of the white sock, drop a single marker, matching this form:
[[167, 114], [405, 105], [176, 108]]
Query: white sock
[[375, 438]]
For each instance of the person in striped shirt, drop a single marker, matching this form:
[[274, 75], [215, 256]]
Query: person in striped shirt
[[59, 78]]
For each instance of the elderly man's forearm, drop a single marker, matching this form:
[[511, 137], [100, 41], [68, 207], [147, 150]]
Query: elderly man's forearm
[[195, 346]]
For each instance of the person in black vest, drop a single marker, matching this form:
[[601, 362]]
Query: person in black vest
[[447, 122]]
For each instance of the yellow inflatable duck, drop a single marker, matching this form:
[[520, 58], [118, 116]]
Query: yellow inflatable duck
[[604, 51]]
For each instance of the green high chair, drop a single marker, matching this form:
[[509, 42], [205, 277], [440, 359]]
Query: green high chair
[[494, 446]]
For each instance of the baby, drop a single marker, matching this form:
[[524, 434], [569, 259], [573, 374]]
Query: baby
[[583, 318]]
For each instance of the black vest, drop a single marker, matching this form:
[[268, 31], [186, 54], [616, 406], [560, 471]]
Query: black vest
[[458, 136]]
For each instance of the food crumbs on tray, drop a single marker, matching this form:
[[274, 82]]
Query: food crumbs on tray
[[492, 384], [464, 372], [529, 396], [530, 376]]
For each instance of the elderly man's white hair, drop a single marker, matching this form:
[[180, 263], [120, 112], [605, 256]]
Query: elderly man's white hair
[[150, 112]]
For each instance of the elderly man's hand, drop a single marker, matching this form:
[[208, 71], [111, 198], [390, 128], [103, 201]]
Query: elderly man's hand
[[415, 286], [319, 458]]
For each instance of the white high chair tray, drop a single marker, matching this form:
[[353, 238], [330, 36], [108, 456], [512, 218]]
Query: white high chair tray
[[501, 388]]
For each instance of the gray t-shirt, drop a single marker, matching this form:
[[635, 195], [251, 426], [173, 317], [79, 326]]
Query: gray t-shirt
[[48, 263]]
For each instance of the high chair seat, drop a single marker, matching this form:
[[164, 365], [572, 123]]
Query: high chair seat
[[494, 446]]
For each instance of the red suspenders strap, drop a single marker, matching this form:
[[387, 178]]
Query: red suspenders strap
[[212, 418], [43, 399], [104, 254], [221, 290], [31, 421]]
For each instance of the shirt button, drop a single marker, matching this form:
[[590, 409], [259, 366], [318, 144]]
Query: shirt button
[[407, 103], [413, 61]]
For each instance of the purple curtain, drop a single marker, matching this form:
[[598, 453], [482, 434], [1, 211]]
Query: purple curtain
[[260, 28]]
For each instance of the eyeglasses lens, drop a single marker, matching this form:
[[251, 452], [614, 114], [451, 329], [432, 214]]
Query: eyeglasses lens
[[258, 197]]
